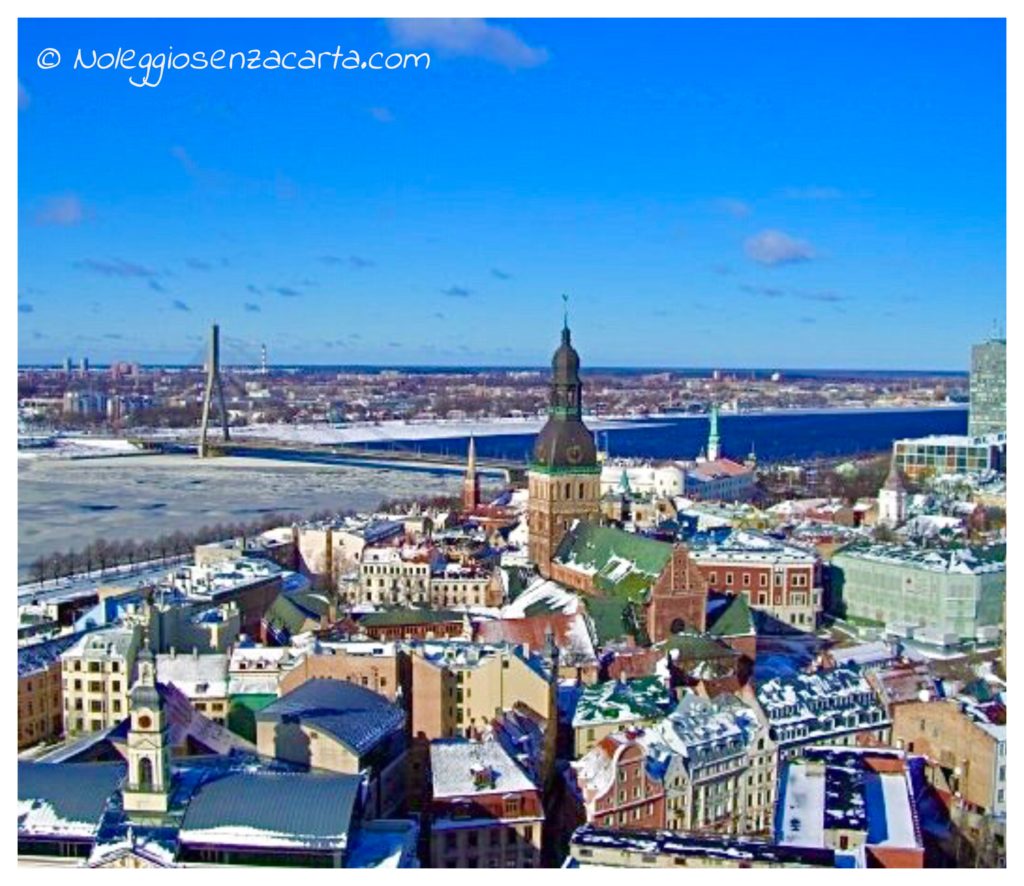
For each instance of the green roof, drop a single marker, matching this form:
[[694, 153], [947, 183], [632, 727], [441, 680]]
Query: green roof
[[623, 563], [399, 617], [699, 646], [735, 621], [285, 613], [614, 701], [519, 579], [609, 615]]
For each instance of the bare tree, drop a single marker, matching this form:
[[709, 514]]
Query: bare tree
[[37, 570]]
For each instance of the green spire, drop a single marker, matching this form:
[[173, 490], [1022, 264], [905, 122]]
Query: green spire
[[713, 445]]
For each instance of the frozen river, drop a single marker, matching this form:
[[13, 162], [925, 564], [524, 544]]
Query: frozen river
[[67, 503]]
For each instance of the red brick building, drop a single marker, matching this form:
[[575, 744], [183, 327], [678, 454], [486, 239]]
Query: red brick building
[[779, 579], [678, 598], [615, 787]]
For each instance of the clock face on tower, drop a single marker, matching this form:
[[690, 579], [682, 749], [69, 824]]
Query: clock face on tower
[[145, 722], [574, 454]]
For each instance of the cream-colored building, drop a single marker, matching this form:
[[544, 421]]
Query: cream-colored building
[[465, 586], [459, 688], [96, 676], [202, 678], [394, 577]]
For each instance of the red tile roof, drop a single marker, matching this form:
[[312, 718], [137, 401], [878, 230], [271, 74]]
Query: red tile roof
[[720, 467]]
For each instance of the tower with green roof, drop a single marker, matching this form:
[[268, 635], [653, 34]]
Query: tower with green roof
[[714, 446], [564, 476]]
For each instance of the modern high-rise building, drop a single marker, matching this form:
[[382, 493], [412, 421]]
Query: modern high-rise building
[[988, 388]]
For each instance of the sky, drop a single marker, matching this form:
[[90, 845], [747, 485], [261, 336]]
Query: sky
[[734, 193]]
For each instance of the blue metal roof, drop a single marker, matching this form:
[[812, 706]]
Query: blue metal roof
[[314, 809], [77, 793], [359, 718]]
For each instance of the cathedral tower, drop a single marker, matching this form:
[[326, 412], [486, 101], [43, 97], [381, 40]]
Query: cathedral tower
[[149, 752], [565, 478]]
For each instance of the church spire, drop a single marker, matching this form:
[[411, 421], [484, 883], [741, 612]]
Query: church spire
[[894, 481], [714, 449], [471, 483]]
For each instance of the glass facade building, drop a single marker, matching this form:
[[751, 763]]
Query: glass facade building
[[988, 388], [950, 454]]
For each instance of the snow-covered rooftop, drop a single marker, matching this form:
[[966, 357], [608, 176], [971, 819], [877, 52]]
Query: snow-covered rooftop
[[461, 767]]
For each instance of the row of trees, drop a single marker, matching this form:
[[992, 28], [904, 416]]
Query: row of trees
[[103, 555]]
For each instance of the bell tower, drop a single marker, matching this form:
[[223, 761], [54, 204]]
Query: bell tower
[[149, 768], [564, 476], [892, 498]]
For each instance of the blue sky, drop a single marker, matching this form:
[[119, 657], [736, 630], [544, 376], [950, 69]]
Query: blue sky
[[710, 193]]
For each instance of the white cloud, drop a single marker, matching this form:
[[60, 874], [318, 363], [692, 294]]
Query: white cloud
[[773, 247], [382, 115], [184, 158], [64, 211], [23, 99], [734, 207], [467, 37]]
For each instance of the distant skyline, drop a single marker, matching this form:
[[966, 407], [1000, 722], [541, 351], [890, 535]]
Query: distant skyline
[[712, 193]]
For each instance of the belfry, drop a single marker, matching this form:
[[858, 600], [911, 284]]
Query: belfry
[[564, 476]]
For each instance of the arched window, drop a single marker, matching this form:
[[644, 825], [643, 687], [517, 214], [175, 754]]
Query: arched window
[[146, 774], [568, 494], [677, 626]]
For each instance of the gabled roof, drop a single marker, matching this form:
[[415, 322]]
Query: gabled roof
[[619, 561], [359, 718], [66, 801], [691, 645], [735, 619], [286, 613], [301, 810]]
